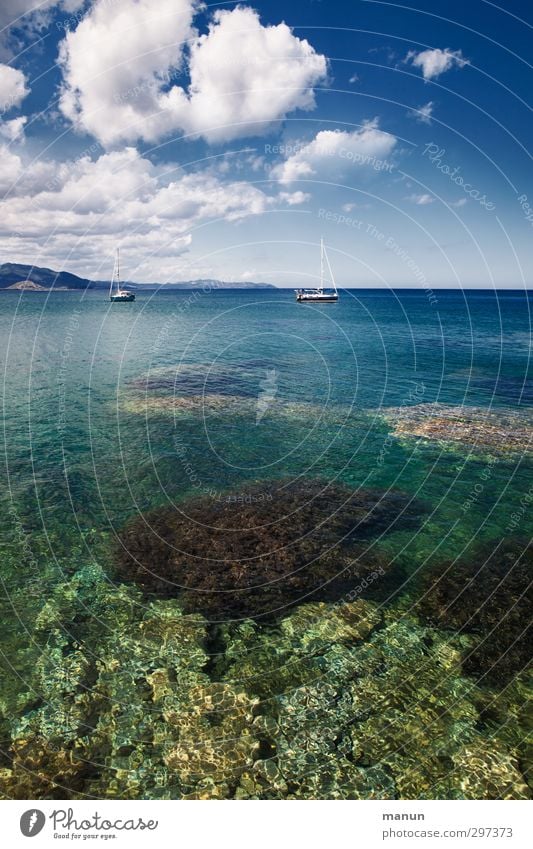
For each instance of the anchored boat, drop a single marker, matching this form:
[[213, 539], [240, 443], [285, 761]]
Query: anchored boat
[[320, 295], [115, 292]]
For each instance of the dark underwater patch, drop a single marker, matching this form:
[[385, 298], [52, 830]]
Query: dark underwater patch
[[186, 381], [257, 552], [489, 593]]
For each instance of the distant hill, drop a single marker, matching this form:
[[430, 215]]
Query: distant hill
[[12, 273], [30, 278], [27, 286]]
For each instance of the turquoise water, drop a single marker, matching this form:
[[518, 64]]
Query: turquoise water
[[114, 411]]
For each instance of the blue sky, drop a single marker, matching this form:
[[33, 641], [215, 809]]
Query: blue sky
[[223, 140]]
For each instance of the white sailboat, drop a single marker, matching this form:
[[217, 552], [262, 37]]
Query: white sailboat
[[115, 292], [320, 295]]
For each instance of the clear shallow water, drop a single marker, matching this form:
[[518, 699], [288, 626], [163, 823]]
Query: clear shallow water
[[288, 390]]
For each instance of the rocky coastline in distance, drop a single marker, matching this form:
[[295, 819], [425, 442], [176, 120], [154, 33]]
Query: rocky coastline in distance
[[30, 278]]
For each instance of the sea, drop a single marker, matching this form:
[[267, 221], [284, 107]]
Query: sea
[[116, 413]]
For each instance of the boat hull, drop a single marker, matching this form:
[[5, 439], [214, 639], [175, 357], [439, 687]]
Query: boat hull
[[123, 298], [317, 299]]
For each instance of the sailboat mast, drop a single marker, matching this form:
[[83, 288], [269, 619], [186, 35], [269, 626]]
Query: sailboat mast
[[113, 278], [118, 268], [330, 272], [321, 263]]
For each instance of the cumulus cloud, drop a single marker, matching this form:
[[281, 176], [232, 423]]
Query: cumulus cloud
[[116, 63], [30, 16], [19, 12], [246, 77], [423, 113], [13, 130], [121, 63], [333, 153], [10, 167], [13, 88], [435, 62], [83, 208]]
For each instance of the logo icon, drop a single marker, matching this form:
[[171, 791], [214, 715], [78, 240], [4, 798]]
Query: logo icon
[[32, 822]]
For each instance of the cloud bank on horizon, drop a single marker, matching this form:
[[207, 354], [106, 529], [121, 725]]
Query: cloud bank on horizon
[[177, 131]]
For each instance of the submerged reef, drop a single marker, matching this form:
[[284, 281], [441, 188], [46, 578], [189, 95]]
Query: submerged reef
[[382, 714], [193, 379], [189, 388], [275, 544], [211, 403], [180, 405], [247, 389], [499, 431], [488, 593], [129, 692], [333, 701]]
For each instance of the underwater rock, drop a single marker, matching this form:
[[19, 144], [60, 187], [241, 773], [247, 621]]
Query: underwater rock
[[63, 676], [219, 744], [206, 769], [326, 623], [505, 716], [482, 772], [222, 405], [170, 732], [191, 388], [135, 699], [40, 770], [502, 431], [274, 545], [378, 718], [174, 405], [298, 650], [333, 701], [488, 593], [144, 696], [223, 390]]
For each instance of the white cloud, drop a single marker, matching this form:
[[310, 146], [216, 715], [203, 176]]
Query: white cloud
[[334, 153], [354, 78], [17, 12], [13, 129], [30, 15], [10, 168], [293, 198], [459, 203], [246, 77], [119, 64], [13, 88], [80, 210], [116, 62], [423, 113], [421, 200], [435, 62]]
